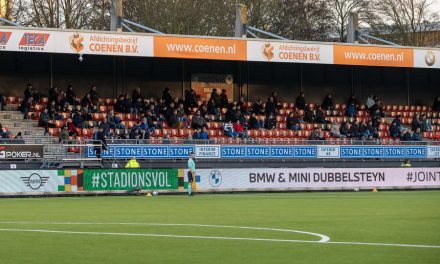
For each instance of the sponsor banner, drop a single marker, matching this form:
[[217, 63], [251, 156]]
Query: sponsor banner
[[200, 48], [316, 178], [289, 52], [24, 181], [373, 56], [266, 151], [21, 151], [424, 58], [130, 179], [207, 151], [76, 43]]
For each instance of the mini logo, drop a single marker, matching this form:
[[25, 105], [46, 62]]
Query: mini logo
[[35, 181], [267, 50], [215, 178], [430, 58], [76, 42], [4, 37], [34, 39]]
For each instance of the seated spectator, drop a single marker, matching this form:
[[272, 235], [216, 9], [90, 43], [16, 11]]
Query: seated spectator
[[127, 105], [293, 123], [224, 99], [243, 105], [71, 128], [270, 122], [426, 124], [301, 101], [354, 129], [335, 131], [253, 123], [316, 134], [64, 135], [86, 116], [204, 134], [197, 134], [26, 106], [137, 106], [327, 104], [351, 110], [18, 136], [398, 122], [3, 102], [345, 130], [198, 121], [373, 129], [309, 115], [416, 136], [239, 130], [416, 122], [3, 132], [53, 93], [45, 120], [78, 121], [173, 121], [394, 130], [166, 139], [231, 114], [320, 116], [104, 125], [436, 105], [364, 132], [37, 96], [228, 129], [212, 108], [407, 135], [166, 96], [257, 107], [352, 100]]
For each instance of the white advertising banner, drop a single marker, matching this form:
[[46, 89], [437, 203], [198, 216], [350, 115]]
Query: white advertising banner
[[316, 178], [28, 181], [207, 151], [424, 58], [27, 40], [289, 52]]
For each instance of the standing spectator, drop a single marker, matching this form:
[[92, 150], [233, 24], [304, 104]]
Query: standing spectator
[[436, 105], [215, 97], [87, 101], [301, 101], [394, 130], [224, 99], [119, 105], [53, 94], [271, 122], [271, 107], [166, 96], [71, 96], [190, 98], [18, 136], [94, 96], [309, 115], [136, 95], [173, 121], [416, 122], [26, 106], [352, 100], [426, 124], [28, 91], [71, 128], [78, 121], [212, 107], [398, 122], [257, 108], [127, 106], [275, 99], [351, 110], [231, 114], [327, 104], [101, 138], [3, 102]]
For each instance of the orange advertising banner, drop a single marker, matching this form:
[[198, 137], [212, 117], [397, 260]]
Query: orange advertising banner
[[373, 56], [200, 48]]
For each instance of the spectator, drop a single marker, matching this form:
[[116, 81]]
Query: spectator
[[374, 130], [345, 130], [86, 116], [126, 104], [166, 139], [257, 108], [198, 121], [212, 108], [18, 136], [416, 136], [215, 97], [239, 130], [224, 99], [29, 91], [136, 95], [351, 110], [173, 121], [151, 119], [204, 134], [364, 132], [275, 98], [166, 96], [407, 135], [78, 121], [137, 106], [301, 101], [416, 122], [370, 101], [37, 96], [94, 96], [231, 114], [71, 128], [87, 101], [271, 122], [3, 102], [100, 136], [398, 122], [26, 106], [181, 114], [354, 129], [436, 105], [426, 124], [104, 125], [271, 107], [71, 96], [190, 98], [309, 115], [394, 130], [228, 129], [3, 132], [119, 105], [292, 123], [335, 131], [64, 135], [327, 104], [243, 105], [352, 100], [316, 134], [253, 123], [44, 120], [320, 116], [197, 134]]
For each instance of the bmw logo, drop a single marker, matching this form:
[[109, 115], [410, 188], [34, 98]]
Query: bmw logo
[[215, 178]]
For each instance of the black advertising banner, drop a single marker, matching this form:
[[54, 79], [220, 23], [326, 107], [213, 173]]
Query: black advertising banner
[[20, 151]]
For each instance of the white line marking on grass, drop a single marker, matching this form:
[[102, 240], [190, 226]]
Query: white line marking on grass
[[323, 238], [216, 237]]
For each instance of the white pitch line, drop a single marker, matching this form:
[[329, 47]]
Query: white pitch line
[[216, 237], [323, 238]]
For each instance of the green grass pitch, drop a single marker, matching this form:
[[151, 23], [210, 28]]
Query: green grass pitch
[[128, 232]]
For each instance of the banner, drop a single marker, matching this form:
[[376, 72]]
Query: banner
[[28, 181], [200, 48], [316, 178], [130, 179], [425, 58], [299, 52], [21, 151], [373, 56]]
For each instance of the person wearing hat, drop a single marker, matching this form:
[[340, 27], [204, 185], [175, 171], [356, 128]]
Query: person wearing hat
[[132, 164], [191, 173]]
